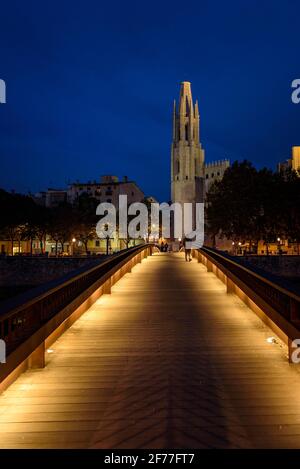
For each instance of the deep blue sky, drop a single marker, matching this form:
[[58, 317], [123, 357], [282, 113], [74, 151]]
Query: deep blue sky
[[90, 86]]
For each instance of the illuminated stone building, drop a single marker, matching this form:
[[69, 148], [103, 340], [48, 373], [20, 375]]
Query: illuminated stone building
[[293, 162], [187, 154], [214, 172]]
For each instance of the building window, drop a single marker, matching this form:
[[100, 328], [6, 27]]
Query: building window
[[97, 243], [132, 193], [212, 175], [207, 176], [218, 173], [178, 166], [186, 132], [186, 177]]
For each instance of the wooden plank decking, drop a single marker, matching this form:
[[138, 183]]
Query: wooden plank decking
[[168, 360]]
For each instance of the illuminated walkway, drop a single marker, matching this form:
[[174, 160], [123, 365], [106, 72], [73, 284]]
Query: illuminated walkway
[[168, 360]]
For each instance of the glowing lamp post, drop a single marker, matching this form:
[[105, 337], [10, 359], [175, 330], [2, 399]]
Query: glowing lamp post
[[73, 245]]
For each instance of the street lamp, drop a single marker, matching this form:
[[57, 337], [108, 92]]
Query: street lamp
[[279, 245], [73, 242]]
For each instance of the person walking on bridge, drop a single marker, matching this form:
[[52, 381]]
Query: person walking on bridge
[[187, 249]]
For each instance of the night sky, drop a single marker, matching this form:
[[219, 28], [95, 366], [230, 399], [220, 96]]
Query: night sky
[[90, 86]]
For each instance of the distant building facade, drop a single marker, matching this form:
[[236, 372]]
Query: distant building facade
[[291, 163], [107, 189], [51, 198], [214, 172]]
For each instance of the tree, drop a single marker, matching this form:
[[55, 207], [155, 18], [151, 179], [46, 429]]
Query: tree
[[62, 225], [249, 205], [232, 206], [291, 198], [40, 225], [86, 219], [16, 212]]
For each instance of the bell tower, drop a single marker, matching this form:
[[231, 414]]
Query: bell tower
[[187, 155]]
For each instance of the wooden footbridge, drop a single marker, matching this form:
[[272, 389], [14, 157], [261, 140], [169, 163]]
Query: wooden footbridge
[[149, 351]]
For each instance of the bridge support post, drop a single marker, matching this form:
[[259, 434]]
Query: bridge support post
[[209, 266], [129, 266], [229, 285], [37, 358], [107, 286]]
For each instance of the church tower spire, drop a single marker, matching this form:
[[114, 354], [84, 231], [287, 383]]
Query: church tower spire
[[187, 155]]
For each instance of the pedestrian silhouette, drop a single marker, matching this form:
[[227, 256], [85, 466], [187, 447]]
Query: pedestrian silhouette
[[187, 249]]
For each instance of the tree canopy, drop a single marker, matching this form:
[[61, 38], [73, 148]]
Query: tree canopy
[[250, 204]]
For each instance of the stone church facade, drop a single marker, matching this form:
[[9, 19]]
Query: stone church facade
[[187, 154], [191, 178]]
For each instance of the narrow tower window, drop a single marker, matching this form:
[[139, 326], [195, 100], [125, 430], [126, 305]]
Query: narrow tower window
[[186, 132], [178, 166]]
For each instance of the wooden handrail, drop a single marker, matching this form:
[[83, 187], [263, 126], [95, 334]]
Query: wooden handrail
[[279, 304], [19, 323], [213, 252]]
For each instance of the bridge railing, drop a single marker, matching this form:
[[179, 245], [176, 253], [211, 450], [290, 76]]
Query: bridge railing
[[278, 304], [46, 311]]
